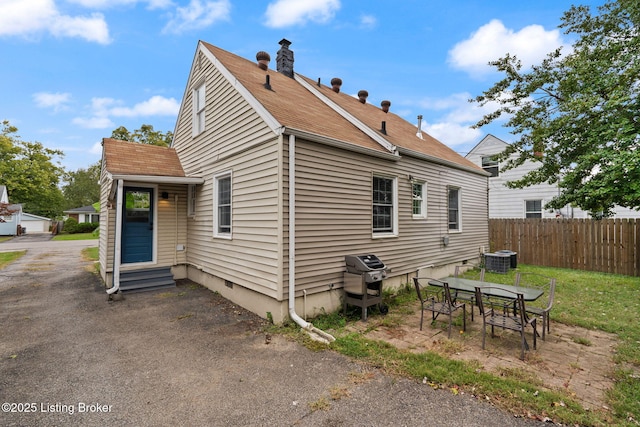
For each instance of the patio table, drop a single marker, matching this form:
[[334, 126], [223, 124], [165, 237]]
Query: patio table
[[495, 289]]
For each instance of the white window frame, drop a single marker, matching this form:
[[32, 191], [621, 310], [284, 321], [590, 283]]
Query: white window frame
[[491, 166], [527, 211], [394, 208], [216, 205], [199, 101], [459, 209], [191, 200], [420, 201]]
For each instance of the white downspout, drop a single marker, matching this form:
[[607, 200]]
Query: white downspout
[[314, 332], [117, 241]]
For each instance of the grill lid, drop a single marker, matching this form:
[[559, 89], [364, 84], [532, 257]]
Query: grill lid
[[362, 263]]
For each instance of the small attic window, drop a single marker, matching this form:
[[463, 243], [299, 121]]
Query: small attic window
[[199, 104], [490, 165]]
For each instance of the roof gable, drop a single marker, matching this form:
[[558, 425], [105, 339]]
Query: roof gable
[[132, 158], [489, 141]]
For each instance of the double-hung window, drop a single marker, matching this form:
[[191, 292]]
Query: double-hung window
[[222, 205], [490, 165], [454, 209], [533, 208], [191, 201], [384, 206], [419, 199], [199, 102]]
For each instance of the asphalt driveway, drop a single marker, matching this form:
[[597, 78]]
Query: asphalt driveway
[[181, 357]]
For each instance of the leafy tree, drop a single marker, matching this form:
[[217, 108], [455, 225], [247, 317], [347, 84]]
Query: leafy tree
[[82, 187], [28, 171], [578, 114], [6, 209], [144, 135]]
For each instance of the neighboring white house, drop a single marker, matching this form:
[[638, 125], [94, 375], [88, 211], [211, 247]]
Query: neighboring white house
[[527, 202], [9, 223]]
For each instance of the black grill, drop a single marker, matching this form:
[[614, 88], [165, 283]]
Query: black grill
[[363, 281]]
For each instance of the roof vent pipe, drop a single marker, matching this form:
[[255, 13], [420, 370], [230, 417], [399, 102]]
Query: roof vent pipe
[[362, 96], [384, 128], [263, 59], [267, 84], [318, 81], [419, 133], [335, 84], [385, 105]]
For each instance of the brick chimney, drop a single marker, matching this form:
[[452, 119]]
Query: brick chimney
[[284, 59]]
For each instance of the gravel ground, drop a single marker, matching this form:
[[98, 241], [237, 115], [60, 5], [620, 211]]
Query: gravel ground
[[183, 356]]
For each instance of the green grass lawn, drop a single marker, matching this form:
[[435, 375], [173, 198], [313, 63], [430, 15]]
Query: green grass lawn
[[91, 253], [591, 300], [77, 236], [8, 257]]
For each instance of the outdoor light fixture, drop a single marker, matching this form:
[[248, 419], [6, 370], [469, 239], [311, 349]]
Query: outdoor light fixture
[[164, 195]]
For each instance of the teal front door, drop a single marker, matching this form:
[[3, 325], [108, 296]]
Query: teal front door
[[137, 225]]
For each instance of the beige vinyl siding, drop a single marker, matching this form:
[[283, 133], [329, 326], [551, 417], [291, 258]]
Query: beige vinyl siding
[[172, 225], [334, 215], [250, 258], [107, 227], [232, 125]]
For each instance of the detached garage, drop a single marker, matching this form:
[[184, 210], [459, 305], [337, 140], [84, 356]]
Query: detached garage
[[35, 224]]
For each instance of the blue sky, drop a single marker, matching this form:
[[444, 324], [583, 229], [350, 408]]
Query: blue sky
[[74, 70]]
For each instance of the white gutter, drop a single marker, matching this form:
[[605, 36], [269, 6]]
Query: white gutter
[[118, 241], [159, 179], [313, 332]]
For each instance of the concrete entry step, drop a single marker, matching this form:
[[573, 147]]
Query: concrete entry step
[[147, 279]]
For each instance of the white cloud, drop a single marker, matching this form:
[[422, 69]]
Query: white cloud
[[456, 108], [57, 100], [493, 40], [92, 29], [155, 106], [21, 18], [101, 4], [96, 148], [285, 13], [368, 21], [453, 134], [453, 117], [93, 122], [104, 108], [197, 15], [104, 4]]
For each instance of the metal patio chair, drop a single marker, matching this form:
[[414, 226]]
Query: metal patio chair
[[468, 297], [532, 280], [498, 313], [429, 301]]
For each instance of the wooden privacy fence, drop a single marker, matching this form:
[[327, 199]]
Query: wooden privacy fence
[[607, 245]]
